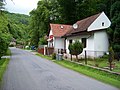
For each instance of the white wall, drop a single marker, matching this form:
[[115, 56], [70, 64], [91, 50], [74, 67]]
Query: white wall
[[97, 43], [58, 43], [101, 42], [97, 24], [90, 46], [90, 43], [73, 38], [51, 33], [50, 43]]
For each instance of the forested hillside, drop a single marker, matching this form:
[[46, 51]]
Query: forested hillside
[[13, 26], [70, 11], [18, 26]]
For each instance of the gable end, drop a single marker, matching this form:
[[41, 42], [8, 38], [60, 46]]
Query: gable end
[[102, 22]]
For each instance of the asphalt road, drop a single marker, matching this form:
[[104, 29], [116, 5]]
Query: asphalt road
[[30, 72]]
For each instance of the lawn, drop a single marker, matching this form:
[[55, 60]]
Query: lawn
[[102, 63], [102, 76]]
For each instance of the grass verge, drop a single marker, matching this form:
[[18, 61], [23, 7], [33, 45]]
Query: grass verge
[[102, 76], [3, 64]]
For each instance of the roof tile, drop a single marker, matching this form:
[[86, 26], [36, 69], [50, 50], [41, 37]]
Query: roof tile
[[59, 30], [83, 24]]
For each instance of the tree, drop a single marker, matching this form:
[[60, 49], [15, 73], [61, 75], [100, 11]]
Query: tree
[[43, 41], [70, 47], [73, 10], [76, 48], [1, 5], [5, 36], [115, 32], [67, 11], [111, 57], [40, 19], [18, 27]]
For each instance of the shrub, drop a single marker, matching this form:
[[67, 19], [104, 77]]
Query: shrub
[[54, 56], [76, 48]]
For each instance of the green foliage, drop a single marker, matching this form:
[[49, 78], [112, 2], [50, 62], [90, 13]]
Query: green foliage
[[5, 36], [39, 21], [54, 56], [3, 66], [4, 43], [75, 48], [111, 57], [17, 18], [18, 27], [68, 11], [73, 10], [42, 41], [114, 33], [70, 47], [1, 5]]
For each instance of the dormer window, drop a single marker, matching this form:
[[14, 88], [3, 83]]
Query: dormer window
[[103, 23], [75, 26], [61, 27]]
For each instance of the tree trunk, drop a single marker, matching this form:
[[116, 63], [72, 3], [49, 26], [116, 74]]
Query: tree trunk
[[77, 58], [110, 66]]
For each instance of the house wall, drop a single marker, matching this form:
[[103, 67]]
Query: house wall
[[73, 38], [101, 42], [90, 43], [96, 45], [90, 46], [51, 43], [97, 24], [58, 43]]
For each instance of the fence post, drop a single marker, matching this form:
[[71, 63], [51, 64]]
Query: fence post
[[85, 57]]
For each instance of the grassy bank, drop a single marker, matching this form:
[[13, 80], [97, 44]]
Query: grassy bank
[[105, 77], [3, 64]]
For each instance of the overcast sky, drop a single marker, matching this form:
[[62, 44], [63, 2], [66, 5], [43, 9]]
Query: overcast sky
[[21, 6]]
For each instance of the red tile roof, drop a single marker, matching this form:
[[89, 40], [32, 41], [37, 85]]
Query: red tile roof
[[83, 24], [59, 30]]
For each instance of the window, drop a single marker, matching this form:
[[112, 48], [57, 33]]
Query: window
[[84, 42], [103, 23], [70, 41]]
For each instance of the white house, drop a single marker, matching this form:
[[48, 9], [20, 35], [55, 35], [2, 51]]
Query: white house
[[91, 32], [55, 34]]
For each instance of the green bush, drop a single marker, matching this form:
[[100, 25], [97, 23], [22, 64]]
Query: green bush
[[5, 36], [76, 48], [54, 56]]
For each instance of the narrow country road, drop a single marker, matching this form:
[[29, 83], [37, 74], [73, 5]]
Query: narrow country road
[[30, 72]]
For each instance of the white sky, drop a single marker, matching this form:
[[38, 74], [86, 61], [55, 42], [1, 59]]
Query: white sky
[[21, 6]]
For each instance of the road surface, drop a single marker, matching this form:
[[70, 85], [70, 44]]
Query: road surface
[[30, 72]]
